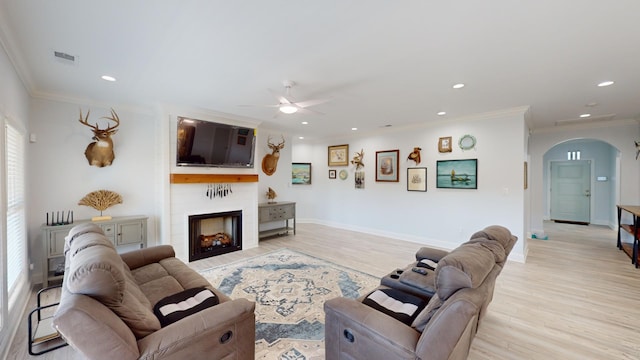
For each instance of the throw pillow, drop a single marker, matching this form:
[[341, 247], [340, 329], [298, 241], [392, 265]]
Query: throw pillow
[[395, 303], [178, 306]]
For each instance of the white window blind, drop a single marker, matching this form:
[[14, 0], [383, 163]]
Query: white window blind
[[16, 219]]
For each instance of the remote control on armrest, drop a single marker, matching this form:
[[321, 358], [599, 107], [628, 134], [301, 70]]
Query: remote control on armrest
[[419, 270]]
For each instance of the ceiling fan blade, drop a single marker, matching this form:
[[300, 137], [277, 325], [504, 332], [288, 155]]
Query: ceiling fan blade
[[302, 110], [271, 106], [307, 103], [281, 98]]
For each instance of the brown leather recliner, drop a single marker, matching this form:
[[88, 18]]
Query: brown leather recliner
[[462, 287], [105, 310]]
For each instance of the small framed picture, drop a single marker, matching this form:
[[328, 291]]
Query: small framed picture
[[301, 173], [417, 179], [338, 155], [387, 165], [444, 144], [332, 174]]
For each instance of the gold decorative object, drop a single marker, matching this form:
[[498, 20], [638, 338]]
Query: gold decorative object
[[271, 194], [415, 155], [357, 159], [101, 200]]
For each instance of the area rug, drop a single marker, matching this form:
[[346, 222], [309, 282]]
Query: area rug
[[289, 289]]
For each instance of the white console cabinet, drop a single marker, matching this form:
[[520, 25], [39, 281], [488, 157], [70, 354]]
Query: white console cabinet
[[122, 231]]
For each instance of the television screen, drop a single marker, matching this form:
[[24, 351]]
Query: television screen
[[206, 143]]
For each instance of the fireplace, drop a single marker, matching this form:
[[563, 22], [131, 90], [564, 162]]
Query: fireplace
[[214, 234]]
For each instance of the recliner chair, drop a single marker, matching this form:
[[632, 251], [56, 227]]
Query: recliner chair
[[462, 284], [105, 310]]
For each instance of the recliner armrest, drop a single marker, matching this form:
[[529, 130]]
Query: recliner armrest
[[430, 253], [204, 332], [141, 257]]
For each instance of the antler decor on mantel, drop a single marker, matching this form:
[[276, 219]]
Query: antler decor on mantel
[[101, 200]]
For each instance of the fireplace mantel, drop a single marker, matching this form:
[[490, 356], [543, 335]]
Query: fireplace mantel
[[212, 178]]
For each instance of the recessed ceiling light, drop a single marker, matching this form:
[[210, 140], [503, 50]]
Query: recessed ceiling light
[[354, 128], [458, 86], [304, 122], [108, 78], [301, 137], [441, 113], [605, 83], [585, 115]]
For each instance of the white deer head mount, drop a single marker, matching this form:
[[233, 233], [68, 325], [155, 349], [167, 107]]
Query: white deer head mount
[[100, 152], [270, 161]]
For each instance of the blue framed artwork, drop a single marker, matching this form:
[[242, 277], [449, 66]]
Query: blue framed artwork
[[457, 174], [301, 173]]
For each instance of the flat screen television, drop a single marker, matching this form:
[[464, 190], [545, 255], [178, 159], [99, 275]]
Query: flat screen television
[[210, 144]]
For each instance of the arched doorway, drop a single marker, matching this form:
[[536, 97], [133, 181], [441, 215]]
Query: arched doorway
[[601, 190]]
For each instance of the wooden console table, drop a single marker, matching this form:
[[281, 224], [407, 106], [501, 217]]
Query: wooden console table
[[630, 249], [279, 211]]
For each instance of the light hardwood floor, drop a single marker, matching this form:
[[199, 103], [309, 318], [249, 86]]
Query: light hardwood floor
[[577, 296]]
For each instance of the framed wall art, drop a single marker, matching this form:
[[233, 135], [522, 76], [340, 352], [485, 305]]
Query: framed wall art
[[332, 174], [359, 179], [338, 155], [444, 144], [417, 179], [387, 165], [457, 174], [301, 173]]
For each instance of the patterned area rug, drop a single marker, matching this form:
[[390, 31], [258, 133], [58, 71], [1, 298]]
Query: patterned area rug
[[289, 289]]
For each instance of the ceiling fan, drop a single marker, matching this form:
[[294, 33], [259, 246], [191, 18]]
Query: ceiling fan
[[288, 105]]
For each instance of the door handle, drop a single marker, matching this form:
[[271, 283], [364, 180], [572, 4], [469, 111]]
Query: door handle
[[587, 193]]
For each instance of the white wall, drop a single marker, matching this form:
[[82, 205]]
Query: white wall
[[620, 135], [61, 175], [14, 105], [438, 217]]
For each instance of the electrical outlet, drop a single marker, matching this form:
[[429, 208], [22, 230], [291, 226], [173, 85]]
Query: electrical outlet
[[30, 266]]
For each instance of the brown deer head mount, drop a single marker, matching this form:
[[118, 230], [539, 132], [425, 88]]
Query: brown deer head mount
[[270, 161], [100, 152]]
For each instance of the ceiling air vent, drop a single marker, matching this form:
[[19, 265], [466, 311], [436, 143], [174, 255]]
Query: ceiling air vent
[[65, 58]]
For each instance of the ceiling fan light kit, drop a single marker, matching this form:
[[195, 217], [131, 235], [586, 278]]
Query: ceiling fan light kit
[[287, 104], [288, 109]]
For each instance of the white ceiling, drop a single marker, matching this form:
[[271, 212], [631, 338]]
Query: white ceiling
[[380, 62]]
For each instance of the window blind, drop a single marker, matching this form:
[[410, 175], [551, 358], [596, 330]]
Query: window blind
[[16, 219]]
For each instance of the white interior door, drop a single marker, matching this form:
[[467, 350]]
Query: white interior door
[[571, 191]]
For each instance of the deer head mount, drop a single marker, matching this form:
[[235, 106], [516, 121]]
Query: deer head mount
[[270, 161], [100, 152]]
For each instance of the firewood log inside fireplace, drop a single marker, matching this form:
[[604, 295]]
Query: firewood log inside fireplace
[[215, 239]]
